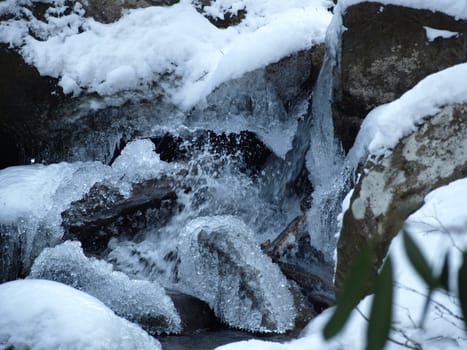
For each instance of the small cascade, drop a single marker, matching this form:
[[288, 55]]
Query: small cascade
[[326, 165]]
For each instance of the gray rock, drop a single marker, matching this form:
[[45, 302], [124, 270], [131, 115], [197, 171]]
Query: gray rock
[[392, 188], [385, 52]]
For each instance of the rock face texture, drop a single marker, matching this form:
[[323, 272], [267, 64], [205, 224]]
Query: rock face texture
[[392, 188], [385, 51]]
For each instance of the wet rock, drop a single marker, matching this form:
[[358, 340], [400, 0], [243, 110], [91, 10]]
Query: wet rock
[[300, 262], [385, 51], [244, 147], [392, 188], [221, 264], [104, 212], [142, 302], [195, 314]]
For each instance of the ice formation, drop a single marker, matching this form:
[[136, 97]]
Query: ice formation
[[223, 265], [139, 301], [46, 315]]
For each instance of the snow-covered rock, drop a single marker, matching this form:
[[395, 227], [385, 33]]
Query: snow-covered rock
[[402, 169], [45, 315], [142, 302]]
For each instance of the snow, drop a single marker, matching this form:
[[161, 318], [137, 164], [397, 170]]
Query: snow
[[385, 125], [135, 300], [432, 33], [134, 52], [454, 8], [45, 315], [439, 226]]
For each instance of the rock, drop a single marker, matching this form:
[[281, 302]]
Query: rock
[[142, 302], [300, 262], [221, 264], [392, 188], [244, 147], [107, 11], [385, 52], [104, 212]]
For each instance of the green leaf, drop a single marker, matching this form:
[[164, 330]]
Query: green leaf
[[443, 279], [418, 261], [380, 320], [462, 283], [352, 292]]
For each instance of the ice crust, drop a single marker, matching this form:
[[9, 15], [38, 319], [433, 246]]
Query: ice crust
[[223, 265], [46, 315], [142, 302]]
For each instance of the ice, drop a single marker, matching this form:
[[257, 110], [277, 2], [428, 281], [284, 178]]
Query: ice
[[31, 200], [45, 315], [221, 263], [142, 302], [139, 161]]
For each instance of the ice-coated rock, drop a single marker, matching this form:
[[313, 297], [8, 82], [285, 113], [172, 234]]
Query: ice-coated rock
[[221, 263], [139, 301], [31, 200], [46, 315]]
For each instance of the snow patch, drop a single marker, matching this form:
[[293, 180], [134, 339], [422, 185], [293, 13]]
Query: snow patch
[[432, 33], [40, 315]]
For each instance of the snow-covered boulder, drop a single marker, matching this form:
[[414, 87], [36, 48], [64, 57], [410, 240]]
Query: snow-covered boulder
[[139, 301], [386, 48], [221, 263], [45, 315], [165, 60], [407, 160]]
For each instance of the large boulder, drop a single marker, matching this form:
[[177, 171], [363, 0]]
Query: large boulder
[[142, 302], [385, 50], [392, 188]]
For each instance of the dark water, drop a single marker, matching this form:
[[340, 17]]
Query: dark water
[[208, 340]]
